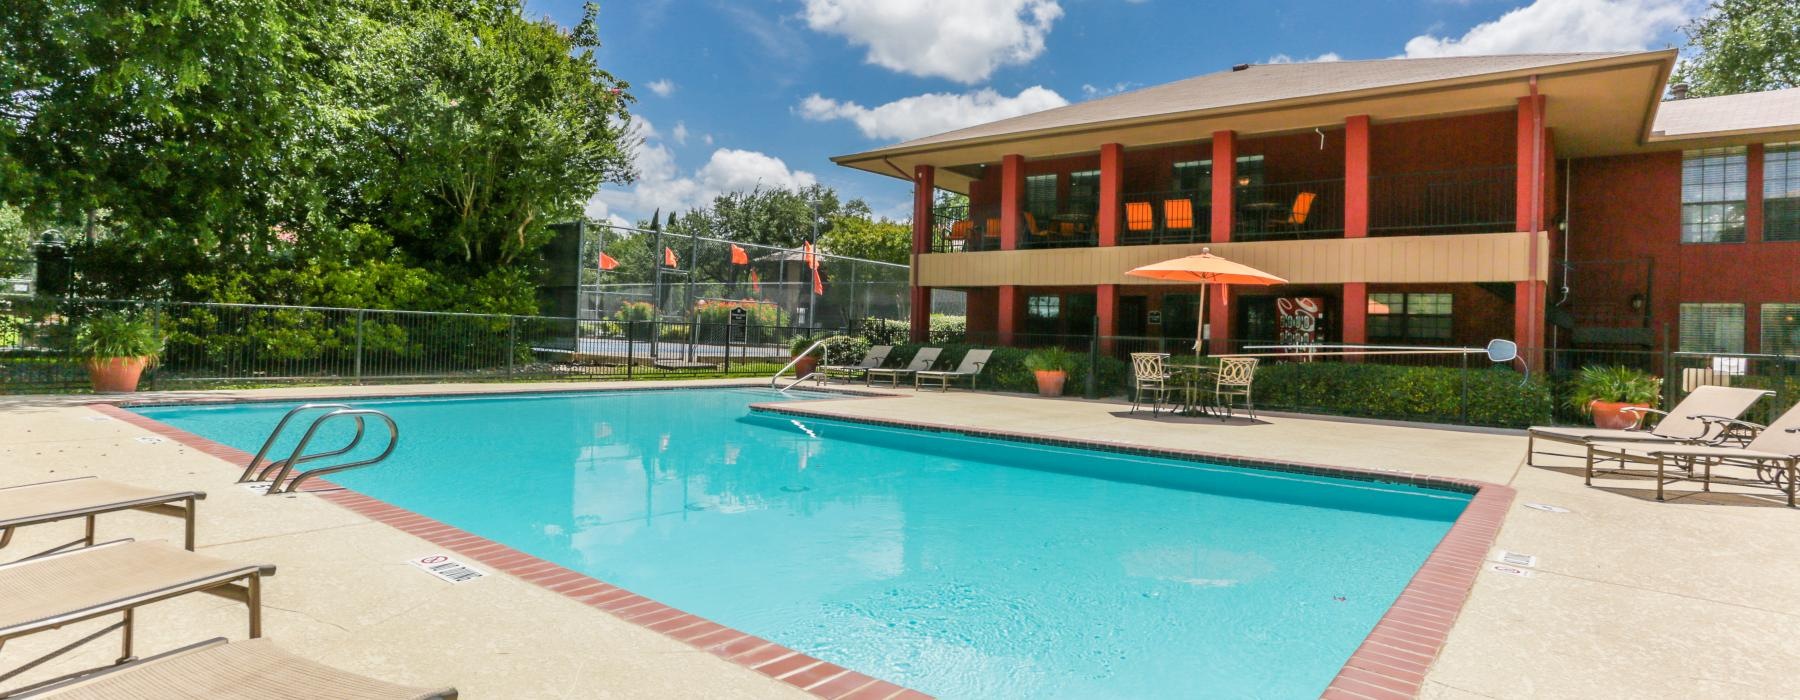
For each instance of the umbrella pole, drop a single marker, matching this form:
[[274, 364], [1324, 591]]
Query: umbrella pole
[[1200, 328]]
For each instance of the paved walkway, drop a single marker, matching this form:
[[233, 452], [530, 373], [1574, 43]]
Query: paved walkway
[[1696, 597]]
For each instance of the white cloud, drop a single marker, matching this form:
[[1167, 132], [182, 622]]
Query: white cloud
[[679, 133], [662, 185], [1326, 57], [706, 139], [930, 113], [662, 87], [1093, 91], [962, 40], [1550, 26]]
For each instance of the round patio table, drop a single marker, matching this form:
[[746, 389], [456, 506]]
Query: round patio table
[[1195, 375]]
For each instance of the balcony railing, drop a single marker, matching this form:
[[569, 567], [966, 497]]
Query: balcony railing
[[1071, 223], [1289, 210], [965, 228], [1176, 216], [1471, 200]]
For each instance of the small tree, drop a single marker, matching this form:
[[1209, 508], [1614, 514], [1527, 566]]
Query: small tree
[[1743, 46]]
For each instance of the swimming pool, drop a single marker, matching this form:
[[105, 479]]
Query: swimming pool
[[959, 566]]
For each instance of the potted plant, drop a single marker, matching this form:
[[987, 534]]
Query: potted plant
[[117, 347], [1605, 393], [1051, 365], [804, 365]]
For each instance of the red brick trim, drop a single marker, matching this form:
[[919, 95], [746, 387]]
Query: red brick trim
[[1391, 662], [816, 676]]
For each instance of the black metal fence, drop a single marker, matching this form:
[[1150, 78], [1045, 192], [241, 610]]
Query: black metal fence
[[1289, 210], [1175, 216], [1468, 200], [248, 344]]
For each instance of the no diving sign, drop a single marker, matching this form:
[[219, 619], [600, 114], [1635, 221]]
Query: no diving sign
[[448, 569]]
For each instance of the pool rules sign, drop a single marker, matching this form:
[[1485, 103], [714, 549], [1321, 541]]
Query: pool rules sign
[[738, 324]]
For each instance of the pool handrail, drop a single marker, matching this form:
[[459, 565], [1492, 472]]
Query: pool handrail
[[817, 344], [250, 469], [287, 465]]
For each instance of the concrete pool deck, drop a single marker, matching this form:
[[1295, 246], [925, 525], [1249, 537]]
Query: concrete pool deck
[[1629, 597]]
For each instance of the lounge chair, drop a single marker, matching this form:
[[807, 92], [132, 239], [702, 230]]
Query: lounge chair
[[971, 365], [874, 358], [1774, 454], [48, 592], [1708, 414], [250, 669], [88, 497], [921, 360]]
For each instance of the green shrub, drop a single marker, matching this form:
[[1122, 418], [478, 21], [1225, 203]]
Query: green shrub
[[632, 317], [1495, 396], [117, 334], [766, 323], [1051, 359]]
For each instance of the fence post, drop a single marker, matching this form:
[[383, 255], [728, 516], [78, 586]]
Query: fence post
[[728, 342], [1671, 373], [512, 343], [359, 347], [1093, 365], [1464, 404], [630, 347]]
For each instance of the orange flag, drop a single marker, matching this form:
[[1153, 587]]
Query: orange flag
[[738, 256], [812, 261], [669, 258], [818, 284], [755, 281], [607, 262]]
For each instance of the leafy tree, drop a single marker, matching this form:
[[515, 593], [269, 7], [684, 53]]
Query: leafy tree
[[1743, 46], [871, 239]]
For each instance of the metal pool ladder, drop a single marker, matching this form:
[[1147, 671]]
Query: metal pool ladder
[[258, 471], [790, 365]]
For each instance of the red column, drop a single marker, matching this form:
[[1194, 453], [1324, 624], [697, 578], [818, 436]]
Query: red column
[[924, 188], [1356, 312], [1218, 313], [1529, 183], [1112, 194], [1528, 315], [1007, 319], [1224, 184], [1356, 177], [1106, 303], [919, 315], [1012, 200], [1753, 194]]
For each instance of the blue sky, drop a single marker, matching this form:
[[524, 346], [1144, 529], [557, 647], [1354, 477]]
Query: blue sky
[[736, 94]]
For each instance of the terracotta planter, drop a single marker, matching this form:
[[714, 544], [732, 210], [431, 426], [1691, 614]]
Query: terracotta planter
[[116, 374], [806, 365], [1050, 382], [1611, 414]]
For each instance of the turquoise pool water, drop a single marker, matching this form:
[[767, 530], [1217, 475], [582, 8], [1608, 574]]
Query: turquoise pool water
[[963, 567]]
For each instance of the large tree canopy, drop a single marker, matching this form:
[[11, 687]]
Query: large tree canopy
[[359, 152], [1743, 46]]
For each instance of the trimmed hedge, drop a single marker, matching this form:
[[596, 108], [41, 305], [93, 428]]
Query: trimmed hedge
[[1496, 396]]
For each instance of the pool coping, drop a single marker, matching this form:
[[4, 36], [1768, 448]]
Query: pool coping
[[1391, 662]]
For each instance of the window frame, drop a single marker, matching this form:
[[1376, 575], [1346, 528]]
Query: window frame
[[1781, 191], [1714, 194], [1402, 322], [1689, 341], [1769, 321]]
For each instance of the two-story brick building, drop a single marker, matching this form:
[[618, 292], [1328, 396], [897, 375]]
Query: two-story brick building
[[1555, 199]]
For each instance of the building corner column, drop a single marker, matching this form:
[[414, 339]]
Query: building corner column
[[1528, 314], [1355, 326], [1224, 183], [1012, 200], [1112, 195], [1356, 176], [1106, 306], [919, 315], [1006, 319], [1218, 318], [919, 299]]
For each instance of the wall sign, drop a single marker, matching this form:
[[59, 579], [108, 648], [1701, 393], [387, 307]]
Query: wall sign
[[1156, 317]]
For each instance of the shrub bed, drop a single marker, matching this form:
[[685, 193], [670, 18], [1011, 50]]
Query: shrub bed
[[1496, 396]]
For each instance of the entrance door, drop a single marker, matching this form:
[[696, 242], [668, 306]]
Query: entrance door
[[1132, 312], [1256, 320]]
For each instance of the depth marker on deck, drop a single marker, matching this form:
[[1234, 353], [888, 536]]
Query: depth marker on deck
[[447, 569], [1547, 508]]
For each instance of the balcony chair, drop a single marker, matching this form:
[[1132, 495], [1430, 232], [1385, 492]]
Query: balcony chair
[[1297, 215], [1178, 217], [960, 232], [1140, 222]]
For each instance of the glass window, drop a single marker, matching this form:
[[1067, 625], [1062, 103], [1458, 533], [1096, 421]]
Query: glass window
[[1416, 316], [1712, 328], [1044, 307], [1781, 192], [1084, 189], [1250, 171], [1712, 195], [1781, 329], [1193, 176], [1040, 197]]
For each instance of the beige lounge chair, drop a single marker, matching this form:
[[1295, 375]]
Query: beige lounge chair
[[254, 669], [921, 361], [1708, 414], [971, 365], [116, 578], [88, 497], [873, 359], [1774, 454]]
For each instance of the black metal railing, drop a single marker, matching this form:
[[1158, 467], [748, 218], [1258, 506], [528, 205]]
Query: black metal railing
[[965, 228], [1072, 223], [1172, 216], [1288, 210], [1469, 200]]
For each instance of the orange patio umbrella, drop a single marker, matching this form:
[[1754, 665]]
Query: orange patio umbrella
[[1205, 269]]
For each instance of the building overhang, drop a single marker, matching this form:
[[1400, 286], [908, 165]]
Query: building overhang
[[1595, 107]]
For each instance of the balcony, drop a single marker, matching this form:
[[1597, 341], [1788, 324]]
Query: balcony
[[1467, 200], [1299, 210], [1068, 223], [1172, 216], [955, 229]]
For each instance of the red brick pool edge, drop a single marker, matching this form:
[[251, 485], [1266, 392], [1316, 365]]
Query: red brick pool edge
[[1391, 662]]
